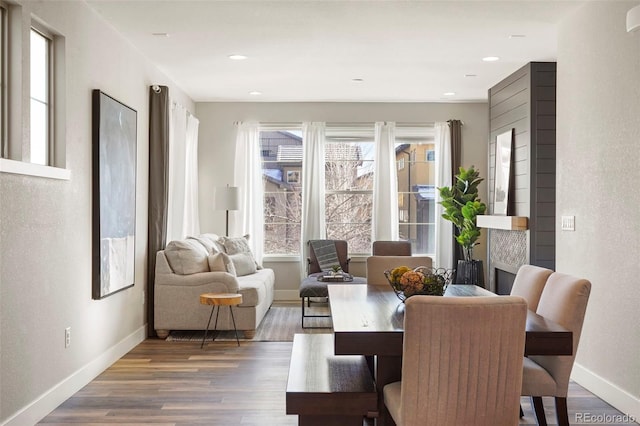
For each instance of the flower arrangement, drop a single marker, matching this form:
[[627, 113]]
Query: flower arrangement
[[423, 280]]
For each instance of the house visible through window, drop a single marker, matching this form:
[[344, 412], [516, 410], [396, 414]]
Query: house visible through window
[[40, 97]]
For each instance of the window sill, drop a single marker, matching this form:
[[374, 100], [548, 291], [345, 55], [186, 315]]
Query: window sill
[[36, 170]]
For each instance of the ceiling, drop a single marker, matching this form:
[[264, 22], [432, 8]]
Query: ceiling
[[403, 51]]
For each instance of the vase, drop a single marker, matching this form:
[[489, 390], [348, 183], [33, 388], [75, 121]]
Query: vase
[[469, 272]]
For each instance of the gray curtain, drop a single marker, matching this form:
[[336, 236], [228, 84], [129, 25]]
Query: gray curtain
[[455, 126], [158, 187]]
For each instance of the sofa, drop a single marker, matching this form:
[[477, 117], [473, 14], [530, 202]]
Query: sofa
[[209, 264]]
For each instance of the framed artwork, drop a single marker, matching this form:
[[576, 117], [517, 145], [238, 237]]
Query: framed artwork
[[504, 144], [293, 176], [114, 133]]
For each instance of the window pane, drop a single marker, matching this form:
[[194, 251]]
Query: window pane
[[282, 178], [348, 218], [39, 98], [39, 137]]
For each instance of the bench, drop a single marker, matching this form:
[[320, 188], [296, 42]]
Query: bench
[[324, 389]]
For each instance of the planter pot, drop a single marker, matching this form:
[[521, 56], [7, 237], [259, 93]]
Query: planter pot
[[469, 272]]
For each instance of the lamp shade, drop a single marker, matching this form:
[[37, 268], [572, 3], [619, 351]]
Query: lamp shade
[[633, 19], [227, 198]]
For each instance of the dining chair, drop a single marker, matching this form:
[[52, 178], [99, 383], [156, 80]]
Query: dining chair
[[461, 364], [376, 265], [529, 283], [391, 248], [563, 301]]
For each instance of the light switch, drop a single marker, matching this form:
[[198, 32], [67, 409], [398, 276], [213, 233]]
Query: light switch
[[568, 223]]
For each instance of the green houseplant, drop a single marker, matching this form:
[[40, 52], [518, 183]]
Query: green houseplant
[[461, 206]]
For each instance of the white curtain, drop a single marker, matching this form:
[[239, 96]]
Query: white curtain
[[249, 219], [313, 184], [444, 228], [182, 214], [385, 185]]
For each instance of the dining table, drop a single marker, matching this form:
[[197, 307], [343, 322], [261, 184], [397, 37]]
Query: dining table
[[369, 320]]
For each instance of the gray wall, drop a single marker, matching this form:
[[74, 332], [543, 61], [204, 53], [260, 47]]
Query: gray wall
[[217, 149], [598, 152], [45, 232]]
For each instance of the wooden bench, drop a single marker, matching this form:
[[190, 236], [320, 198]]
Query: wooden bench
[[324, 389]]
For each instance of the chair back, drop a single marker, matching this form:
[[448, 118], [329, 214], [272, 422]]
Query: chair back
[[391, 248], [563, 301], [529, 283], [462, 360], [376, 265], [316, 259]]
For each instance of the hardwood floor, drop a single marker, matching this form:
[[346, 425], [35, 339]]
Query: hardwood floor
[[178, 384]]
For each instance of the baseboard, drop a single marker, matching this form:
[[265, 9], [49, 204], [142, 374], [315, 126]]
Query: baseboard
[[47, 402], [607, 391], [287, 295]]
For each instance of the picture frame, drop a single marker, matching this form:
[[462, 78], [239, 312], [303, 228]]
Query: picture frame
[[293, 176], [114, 152], [504, 148]]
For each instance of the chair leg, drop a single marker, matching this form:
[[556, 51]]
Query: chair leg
[[539, 410], [561, 411]]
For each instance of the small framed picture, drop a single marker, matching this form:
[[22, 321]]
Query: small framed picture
[[293, 176]]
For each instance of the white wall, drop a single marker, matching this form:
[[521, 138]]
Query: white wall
[[45, 233], [598, 152], [217, 149]]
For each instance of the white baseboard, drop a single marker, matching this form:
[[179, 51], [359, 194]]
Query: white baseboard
[[607, 391], [47, 402], [287, 295]]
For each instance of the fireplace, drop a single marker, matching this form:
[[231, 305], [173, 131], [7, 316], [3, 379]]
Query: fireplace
[[504, 281]]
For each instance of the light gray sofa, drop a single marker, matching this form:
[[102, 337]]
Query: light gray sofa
[[208, 264]]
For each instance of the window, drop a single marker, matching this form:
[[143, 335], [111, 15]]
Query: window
[[401, 163], [41, 77], [349, 170], [3, 81], [416, 193], [281, 175]]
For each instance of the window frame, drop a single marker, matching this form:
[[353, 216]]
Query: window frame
[[4, 60], [50, 91]]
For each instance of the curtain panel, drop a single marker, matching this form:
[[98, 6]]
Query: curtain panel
[[444, 228], [249, 219], [313, 220], [385, 185]]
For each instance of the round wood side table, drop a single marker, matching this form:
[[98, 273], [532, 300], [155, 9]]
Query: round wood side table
[[220, 299]]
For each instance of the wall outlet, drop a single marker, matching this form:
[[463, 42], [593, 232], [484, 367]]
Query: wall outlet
[[568, 223], [67, 337]]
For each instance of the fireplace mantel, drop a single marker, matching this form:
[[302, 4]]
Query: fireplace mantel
[[510, 223]]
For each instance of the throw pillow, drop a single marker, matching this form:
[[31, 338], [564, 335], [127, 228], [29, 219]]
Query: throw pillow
[[326, 254], [210, 242], [186, 257], [220, 262], [244, 264], [235, 245]]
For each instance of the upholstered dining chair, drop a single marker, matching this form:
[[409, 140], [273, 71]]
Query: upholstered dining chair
[[391, 248], [564, 301], [461, 364], [529, 283]]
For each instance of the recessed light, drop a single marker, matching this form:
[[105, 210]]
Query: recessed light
[[357, 80], [160, 34], [255, 93], [449, 93], [237, 57], [470, 75], [490, 59], [517, 36]]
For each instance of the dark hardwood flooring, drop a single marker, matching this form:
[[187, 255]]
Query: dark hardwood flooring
[[179, 384]]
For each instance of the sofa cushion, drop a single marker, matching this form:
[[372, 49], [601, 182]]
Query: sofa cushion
[[220, 262], [210, 242], [187, 257], [254, 287], [244, 263]]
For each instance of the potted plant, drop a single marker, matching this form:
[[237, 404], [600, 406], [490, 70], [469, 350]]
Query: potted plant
[[461, 206]]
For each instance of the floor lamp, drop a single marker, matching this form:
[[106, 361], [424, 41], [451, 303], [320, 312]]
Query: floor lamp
[[227, 198]]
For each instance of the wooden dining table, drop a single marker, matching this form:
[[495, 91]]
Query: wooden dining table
[[368, 320]]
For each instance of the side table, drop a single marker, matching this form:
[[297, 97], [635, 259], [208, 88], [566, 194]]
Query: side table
[[220, 299]]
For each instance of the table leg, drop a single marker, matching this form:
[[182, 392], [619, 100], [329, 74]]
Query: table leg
[[208, 323]]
